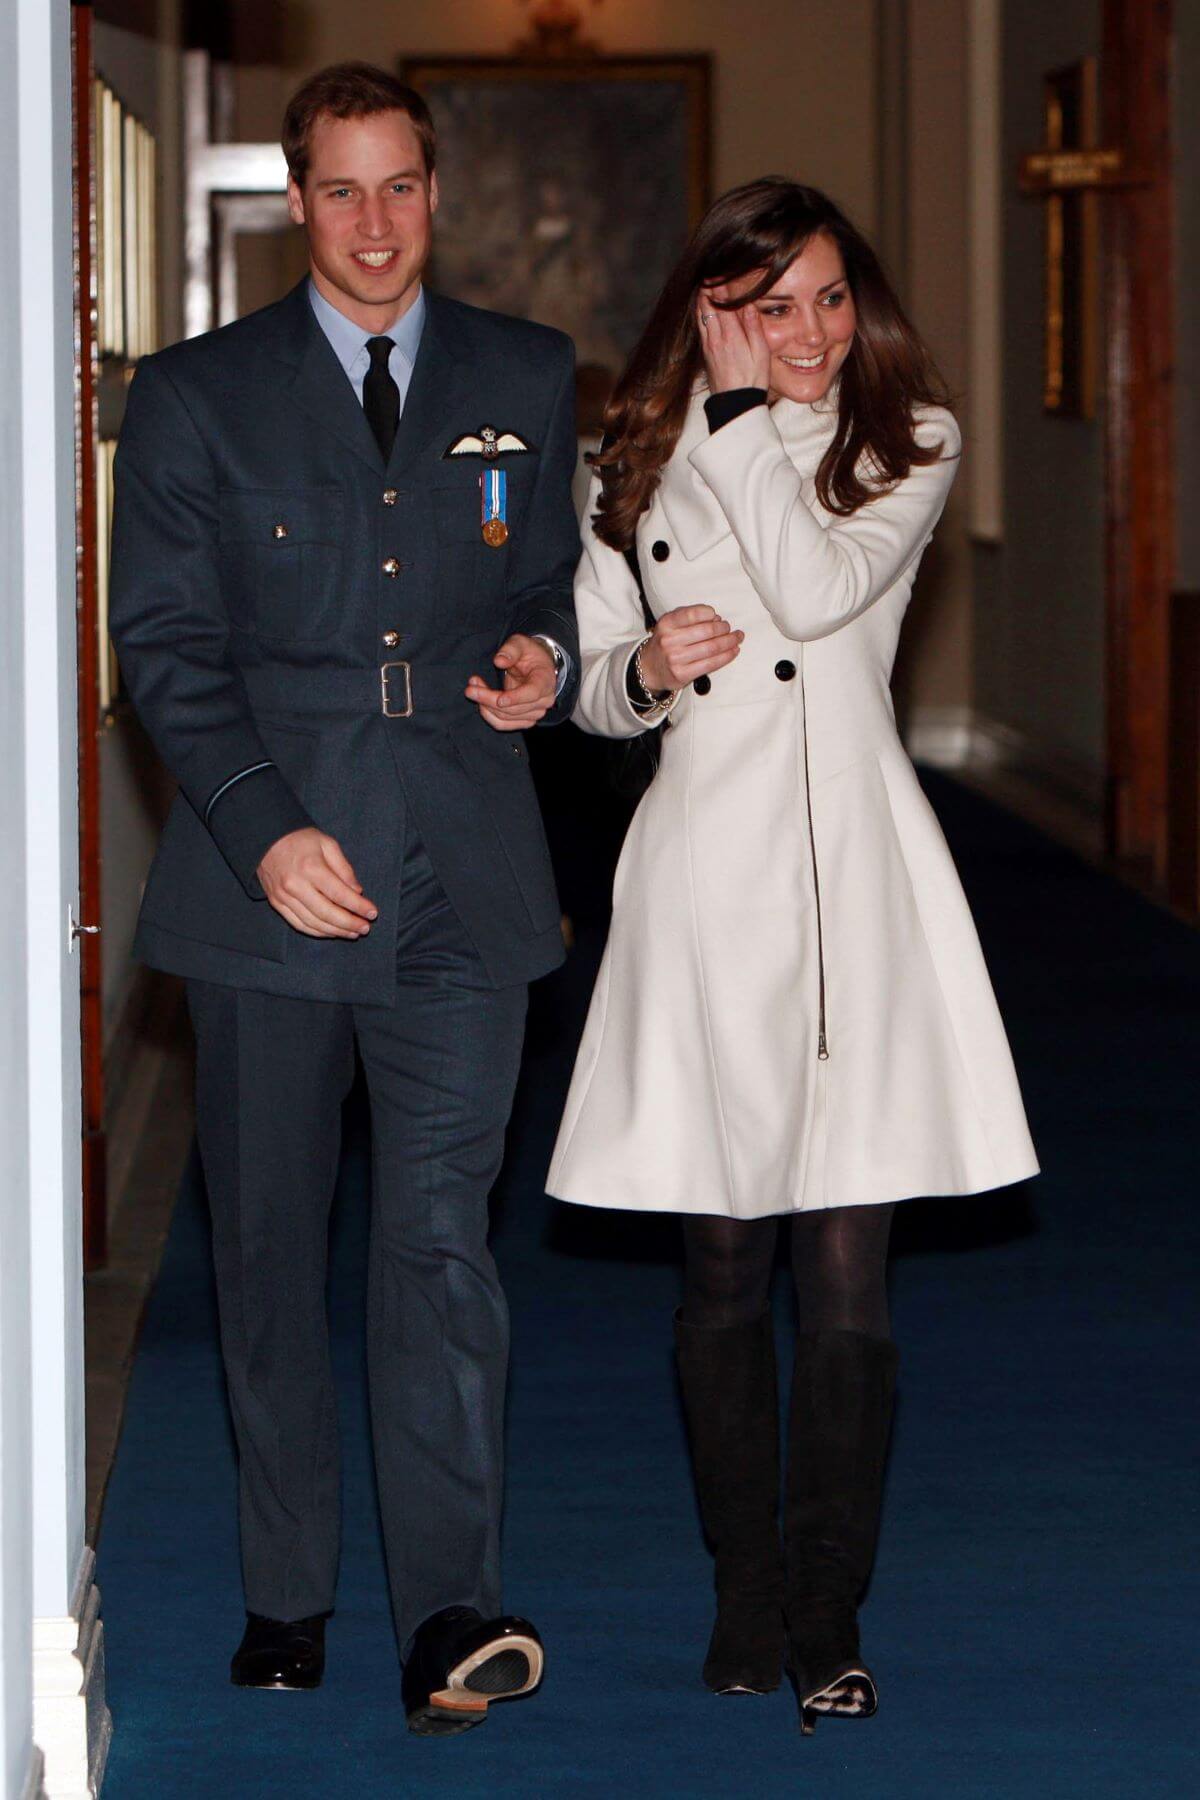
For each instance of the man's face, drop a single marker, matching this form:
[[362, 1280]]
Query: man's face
[[367, 208]]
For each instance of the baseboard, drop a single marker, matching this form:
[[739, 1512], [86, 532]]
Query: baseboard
[[1055, 788], [940, 735], [71, 1722]]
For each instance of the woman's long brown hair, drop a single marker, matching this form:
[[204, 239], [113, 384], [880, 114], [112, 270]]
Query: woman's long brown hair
[[887, 372]]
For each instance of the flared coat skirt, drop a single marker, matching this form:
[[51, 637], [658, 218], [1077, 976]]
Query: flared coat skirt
[[793, 1010]]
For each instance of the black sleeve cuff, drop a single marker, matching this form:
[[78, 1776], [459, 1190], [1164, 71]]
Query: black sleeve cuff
[[633, 688], [250, 815], [720, 409]]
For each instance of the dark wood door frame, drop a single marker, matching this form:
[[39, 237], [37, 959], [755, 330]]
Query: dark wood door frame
[[1139, 477]]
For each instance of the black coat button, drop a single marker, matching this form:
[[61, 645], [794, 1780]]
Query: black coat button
[[702, 684], [785, 671], [660, 550]]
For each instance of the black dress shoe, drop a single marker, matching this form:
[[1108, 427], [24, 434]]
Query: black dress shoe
[[460, 1662], [276, 1653]]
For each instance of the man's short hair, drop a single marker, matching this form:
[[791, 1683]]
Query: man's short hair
[[351, 90]]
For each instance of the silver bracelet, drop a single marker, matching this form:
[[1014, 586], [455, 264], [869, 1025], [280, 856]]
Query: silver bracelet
[[655, 702]]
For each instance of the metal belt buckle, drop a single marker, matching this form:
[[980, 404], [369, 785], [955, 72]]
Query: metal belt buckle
[[389, 710]]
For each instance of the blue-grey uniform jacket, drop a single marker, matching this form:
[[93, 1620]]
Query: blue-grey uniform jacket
[[280, 600]]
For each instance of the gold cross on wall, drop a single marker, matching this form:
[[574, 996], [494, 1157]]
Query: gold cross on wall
[[1067, 173]]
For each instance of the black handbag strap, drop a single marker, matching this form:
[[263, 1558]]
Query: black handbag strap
[[639, 756], [635, 569], [631, 557]]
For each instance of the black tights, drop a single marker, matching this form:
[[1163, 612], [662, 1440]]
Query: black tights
[[839, 1266]]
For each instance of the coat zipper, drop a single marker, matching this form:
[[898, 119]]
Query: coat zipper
[[822, 1041]]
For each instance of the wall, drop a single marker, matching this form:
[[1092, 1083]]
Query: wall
[[41, 1375], [792, 96], [1040, 608], [787, 98], [52, 823], [16, 1597], [934, 668]]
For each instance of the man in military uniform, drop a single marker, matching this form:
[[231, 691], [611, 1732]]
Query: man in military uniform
[[341, 591]]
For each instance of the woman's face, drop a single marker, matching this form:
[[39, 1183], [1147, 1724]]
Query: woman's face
[[808, 320]]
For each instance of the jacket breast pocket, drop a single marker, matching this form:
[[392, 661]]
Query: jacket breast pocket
[[458, 497], [470, 568], [281, 560]]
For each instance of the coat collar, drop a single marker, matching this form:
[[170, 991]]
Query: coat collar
[[693, 513], [692, 510], [440, 381]]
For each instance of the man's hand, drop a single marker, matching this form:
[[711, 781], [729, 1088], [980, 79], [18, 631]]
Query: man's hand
[[688, 641], [310, 884], [530, 681]]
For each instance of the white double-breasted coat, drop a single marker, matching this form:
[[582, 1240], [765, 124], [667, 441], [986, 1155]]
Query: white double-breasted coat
[[793, 1010]]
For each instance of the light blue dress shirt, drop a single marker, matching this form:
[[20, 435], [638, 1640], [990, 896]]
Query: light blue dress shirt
[[349, 343]]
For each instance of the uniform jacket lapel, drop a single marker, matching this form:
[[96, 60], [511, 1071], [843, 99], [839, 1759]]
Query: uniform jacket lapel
[[319, 386], [441, 382]]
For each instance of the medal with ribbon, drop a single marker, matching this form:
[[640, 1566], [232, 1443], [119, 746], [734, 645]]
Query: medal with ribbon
[[493, 488]]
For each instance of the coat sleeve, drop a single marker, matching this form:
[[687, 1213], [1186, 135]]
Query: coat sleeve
[[814, 578], [611, 627], [171, 629], [540, 597]]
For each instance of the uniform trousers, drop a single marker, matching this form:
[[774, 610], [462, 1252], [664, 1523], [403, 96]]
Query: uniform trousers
[[441, 1068]]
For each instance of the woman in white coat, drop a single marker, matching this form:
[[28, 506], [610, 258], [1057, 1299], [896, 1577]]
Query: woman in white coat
[[793, 1017]]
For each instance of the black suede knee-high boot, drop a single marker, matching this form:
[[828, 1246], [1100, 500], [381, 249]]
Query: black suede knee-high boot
[[730, 1394], [839, 1422]]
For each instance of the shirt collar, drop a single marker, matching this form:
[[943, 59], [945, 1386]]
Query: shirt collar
[[349, 340]]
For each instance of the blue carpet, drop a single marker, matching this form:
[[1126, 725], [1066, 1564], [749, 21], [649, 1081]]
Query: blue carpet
[[1032, 1617]]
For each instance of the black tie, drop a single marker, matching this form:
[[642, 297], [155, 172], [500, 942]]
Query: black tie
[[381, 396]]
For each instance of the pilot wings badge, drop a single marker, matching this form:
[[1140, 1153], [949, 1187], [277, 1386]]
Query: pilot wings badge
[[489, 443]]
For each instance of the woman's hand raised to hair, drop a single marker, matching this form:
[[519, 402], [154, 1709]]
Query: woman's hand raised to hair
[[689, 641], [736, 352]]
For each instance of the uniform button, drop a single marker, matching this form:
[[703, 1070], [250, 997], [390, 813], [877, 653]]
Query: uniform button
[[391, 567], [702, 684], [660, 550], [785, 670], [391, 639], [389, 496], [279, 531]]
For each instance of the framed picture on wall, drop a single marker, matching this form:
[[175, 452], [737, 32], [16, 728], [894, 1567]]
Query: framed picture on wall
[[568, 186]]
